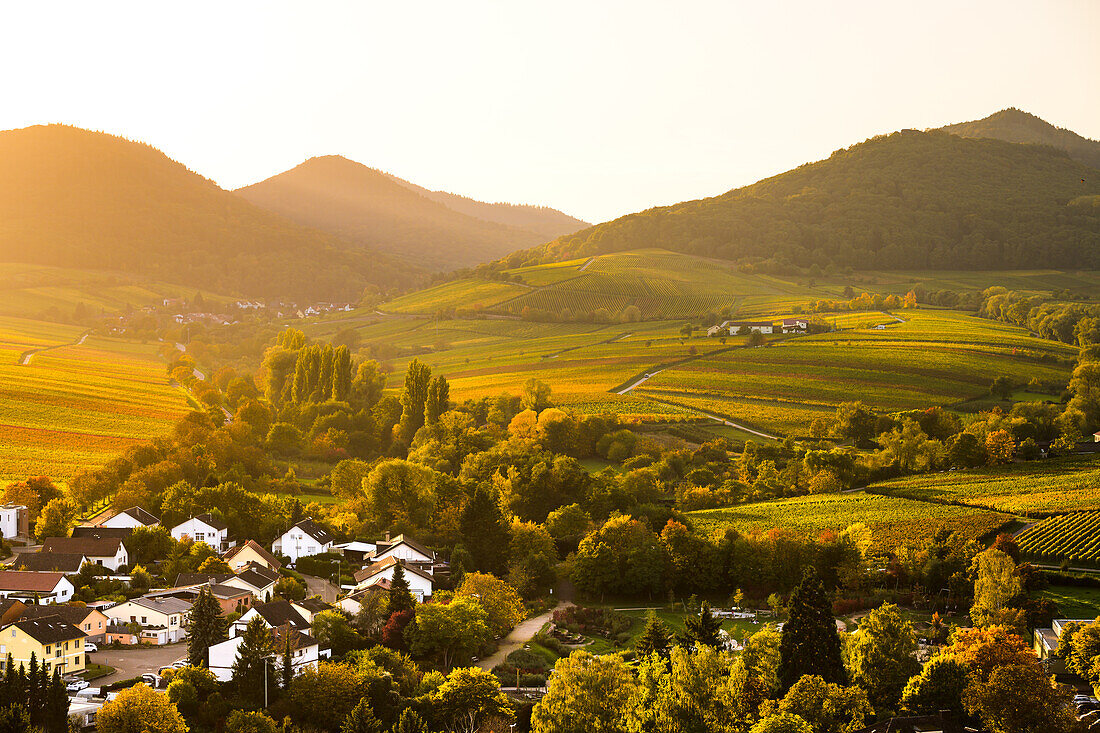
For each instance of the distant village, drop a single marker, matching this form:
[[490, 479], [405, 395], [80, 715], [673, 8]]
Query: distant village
[[182, 311]]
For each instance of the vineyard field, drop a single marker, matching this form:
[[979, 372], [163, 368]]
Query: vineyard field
[[893, 521], [1074, 536], [1029, 489], [77, 406]]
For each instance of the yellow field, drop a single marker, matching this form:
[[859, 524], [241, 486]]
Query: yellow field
[[77, 405]]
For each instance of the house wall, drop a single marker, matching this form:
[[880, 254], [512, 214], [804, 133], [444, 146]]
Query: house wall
[[404, 552], [200, 532], [421, 588], [14, 522], [62, 593], [296, 543], [68, 656], [131, 612], [124, 521], [95, 626], [247, 555], [114, 562]]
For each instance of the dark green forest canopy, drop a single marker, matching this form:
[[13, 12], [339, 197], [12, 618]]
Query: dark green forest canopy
[[910, 200]]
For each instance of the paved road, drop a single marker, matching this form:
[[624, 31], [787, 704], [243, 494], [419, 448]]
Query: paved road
[[640, 381], [133, 661], [519, 636], [321, 587]]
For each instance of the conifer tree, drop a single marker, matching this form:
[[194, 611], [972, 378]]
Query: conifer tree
[[702, 630], [401, 598], [288, 659], [34, 692], [56, 715], [361, 720], [810, 643], [410, 722], [252, 669], [656, 637], [207, 628]]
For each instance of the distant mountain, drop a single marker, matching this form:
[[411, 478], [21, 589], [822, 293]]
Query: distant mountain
[[542, 221], [380, 211], [80, 199], [910, 200], [1016, 126]]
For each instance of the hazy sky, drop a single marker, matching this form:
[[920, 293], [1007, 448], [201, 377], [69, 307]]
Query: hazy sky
[[597, 108]]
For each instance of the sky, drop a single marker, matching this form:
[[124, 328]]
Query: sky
[[597, 108]]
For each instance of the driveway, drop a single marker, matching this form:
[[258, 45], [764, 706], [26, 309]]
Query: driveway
[[321, 587], [519, 636], [135, 661]]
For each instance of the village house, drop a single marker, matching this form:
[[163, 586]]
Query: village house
[[274, 614], [54, 643], [251, 551], [230, 598], [352, 603], [91, 621], [35, 587], [1045, 641], [302, 540], [131, 518], [108, 552], [420, 581], [11, 609], [308, 608], [160, 614], [14, 521], [304, 652], [720, 330], [205, 528], [49, 562], [795, 325], [257, 580]]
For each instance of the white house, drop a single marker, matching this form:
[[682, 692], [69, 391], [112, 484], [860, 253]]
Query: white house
[[14, 521], [420, 582], [205, 528], [161, 613], [308, 608], [110, 552], [302, 540], [795, 325], [131, 518], [256, 579], [250, 551], [414, 554], [304, 652], [274, 614], [45, 587]]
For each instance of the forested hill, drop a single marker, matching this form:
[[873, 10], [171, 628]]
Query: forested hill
[[1016, 126], [369, 207], [542, 221], [80, 199], [910, 200]]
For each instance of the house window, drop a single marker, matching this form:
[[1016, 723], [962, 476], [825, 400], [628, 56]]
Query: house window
[[87, 627], [47, 648], [173, 621]]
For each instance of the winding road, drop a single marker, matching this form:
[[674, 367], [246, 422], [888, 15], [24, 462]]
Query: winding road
[[25, 357]]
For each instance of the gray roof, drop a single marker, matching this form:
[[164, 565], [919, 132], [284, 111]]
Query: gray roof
[[315, 530], [163, 604], [281, 613], [48, 630], [38, 562], [141, 515]]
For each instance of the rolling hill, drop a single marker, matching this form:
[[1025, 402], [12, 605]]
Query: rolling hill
[[909, 200], [80, 199], [385, 213], [1016, 126]]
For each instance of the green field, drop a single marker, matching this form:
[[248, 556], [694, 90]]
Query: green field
[[893, 521], [1029, 489], [1074, 602], [77, 406]]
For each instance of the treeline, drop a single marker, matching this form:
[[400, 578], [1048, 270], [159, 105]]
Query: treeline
[[910, 200]]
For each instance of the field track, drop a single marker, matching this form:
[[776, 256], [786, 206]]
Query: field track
[[25, 357]]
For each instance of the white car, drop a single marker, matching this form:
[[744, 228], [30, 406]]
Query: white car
[[153, 680], [76, 685], [90, 647]]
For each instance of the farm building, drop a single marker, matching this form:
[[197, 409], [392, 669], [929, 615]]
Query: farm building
[[752, 327], [795, 325], [720, 330]]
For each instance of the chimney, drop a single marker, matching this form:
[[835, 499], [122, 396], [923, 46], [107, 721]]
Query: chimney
[[387, 536]]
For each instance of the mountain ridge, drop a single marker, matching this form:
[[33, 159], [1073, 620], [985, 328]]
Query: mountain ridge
[[1017, 126]]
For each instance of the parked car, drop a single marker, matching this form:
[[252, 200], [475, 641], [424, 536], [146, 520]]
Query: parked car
[[90, 647], [76, 685], [153, 680]]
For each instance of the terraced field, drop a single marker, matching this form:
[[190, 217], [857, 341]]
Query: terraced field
[[893, 521], [78, 405], [1028, 489]]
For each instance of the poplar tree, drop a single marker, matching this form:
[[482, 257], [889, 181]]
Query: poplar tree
[[341, 374], [413, 397], [437, 400], [810, 643]]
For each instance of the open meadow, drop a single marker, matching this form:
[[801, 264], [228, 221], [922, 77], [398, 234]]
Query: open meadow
[[77, 405], [893, 521]]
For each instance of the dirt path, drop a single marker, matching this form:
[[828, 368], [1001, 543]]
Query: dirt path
[[25, 357], [586, 264], [519, 636]]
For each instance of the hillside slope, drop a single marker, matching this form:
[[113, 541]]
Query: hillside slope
[[370, 208], [1016, 126], [910, 200], [543, 221], [80, 199]]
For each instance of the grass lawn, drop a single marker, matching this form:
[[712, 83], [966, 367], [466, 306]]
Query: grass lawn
[[95, 671], [1073, 601], [595, 465]]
